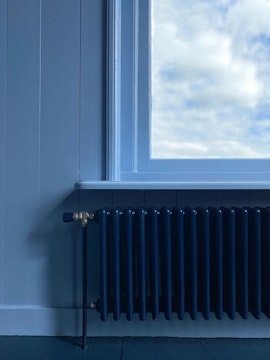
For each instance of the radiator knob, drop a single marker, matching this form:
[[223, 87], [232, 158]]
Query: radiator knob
[[92, 305]]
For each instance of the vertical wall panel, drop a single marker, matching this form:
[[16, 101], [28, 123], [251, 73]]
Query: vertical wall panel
[[22, 192], [197, 198], [93, 91], [126, 198], [59, 145], [259, 198], [228, 198], [3, 99], [161, 198]]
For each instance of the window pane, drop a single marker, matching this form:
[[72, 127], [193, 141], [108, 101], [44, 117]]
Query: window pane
[[210, 79]]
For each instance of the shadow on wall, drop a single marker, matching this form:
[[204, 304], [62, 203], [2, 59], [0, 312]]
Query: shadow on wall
[[59, 268]]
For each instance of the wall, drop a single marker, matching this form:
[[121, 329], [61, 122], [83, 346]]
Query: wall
[[40, 113], [52, 91]]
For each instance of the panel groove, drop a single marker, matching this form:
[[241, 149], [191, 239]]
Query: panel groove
[[3, 140]]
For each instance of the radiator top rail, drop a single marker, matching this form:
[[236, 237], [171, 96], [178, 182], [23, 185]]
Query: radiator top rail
[[84, 217]]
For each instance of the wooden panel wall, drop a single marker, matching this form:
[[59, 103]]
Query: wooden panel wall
[[39, 115]]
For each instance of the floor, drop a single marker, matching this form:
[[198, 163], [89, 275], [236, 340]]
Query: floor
[[132, 348]]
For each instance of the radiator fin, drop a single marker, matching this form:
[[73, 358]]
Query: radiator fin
[[214, 260]]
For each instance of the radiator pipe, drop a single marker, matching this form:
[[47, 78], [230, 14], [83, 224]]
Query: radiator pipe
[[84, 316], [84, 218]]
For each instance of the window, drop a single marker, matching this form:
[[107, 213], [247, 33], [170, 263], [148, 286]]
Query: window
[[210, 70], [132, 94]]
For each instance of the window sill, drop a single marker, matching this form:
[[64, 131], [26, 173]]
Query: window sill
[[164, 185]]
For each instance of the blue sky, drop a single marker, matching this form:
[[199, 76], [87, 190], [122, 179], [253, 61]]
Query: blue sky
[[210, 79]]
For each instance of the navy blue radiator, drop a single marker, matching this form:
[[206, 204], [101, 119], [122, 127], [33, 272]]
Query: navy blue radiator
[[184, 261]]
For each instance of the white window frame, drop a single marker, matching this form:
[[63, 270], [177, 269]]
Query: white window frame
[[128, 127]]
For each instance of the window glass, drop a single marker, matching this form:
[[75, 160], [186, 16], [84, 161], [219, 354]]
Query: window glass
[[210, 79]]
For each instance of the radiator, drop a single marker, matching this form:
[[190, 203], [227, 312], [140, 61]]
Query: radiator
[[184, 261]]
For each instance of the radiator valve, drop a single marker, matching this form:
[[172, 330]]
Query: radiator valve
[[83, 217]]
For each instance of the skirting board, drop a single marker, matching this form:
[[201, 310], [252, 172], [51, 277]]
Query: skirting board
[[37, 321]]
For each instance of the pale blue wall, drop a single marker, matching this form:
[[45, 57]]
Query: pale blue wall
[[52, 120], [40, 114]]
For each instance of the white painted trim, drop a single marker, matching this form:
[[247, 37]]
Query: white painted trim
[[135, 87], [128, 154], [159, 185], [187, 328], [113, 90], [37, 321]]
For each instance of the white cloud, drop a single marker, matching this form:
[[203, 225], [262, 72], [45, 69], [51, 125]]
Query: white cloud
[[210, 78], [247, 18]]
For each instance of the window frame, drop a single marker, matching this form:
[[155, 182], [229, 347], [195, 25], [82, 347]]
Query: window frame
[[128, 125]]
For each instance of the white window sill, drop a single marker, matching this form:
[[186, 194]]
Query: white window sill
[[164, 185]]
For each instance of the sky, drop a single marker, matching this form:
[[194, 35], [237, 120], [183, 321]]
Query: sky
[[210, 64]]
